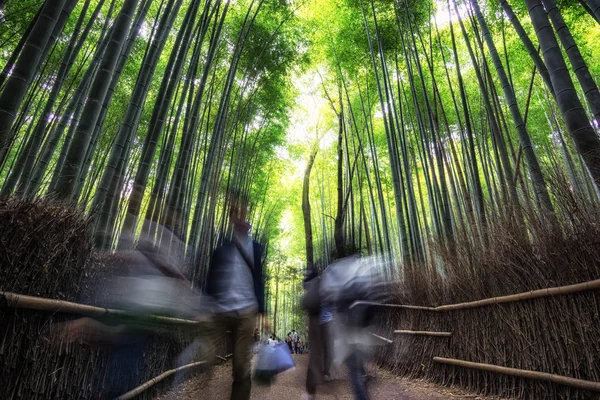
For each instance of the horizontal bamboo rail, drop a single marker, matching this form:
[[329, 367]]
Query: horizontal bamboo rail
[[145, 386], [534, 294], [524, 373], [423, 333], [376, 304], [388, 341], [42, 304]]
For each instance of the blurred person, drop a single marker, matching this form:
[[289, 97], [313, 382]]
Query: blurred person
[[256, 335], [148, 282], [344, 284], [235, 284], [288, 340], [295, 339]]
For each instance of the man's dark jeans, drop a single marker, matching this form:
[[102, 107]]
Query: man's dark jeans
[[241, 327], [356, 367]]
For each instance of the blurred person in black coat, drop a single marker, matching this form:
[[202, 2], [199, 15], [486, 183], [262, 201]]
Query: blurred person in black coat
[[236, 286]]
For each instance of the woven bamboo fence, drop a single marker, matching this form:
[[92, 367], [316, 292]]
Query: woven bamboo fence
[[525, 301], [47, 253]]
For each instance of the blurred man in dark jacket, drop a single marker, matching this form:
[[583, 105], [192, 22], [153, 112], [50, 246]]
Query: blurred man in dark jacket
[[236, 285]]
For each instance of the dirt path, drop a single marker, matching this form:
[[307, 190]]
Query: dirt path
[[290, 386]]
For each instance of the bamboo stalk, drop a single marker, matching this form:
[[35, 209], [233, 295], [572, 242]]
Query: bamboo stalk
[[535, 294], [404, 306], [524, 373], [52, 305], [423, 333], [134, 392]]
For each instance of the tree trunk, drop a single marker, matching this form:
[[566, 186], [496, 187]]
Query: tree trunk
[[74, 160], [594, 6], [535, 172], [132, 115], [25, 68], [308, 236], [15, 55], [158, 119], [339, 217], [585, 138], [533, 52], [590, 89], [41, 127]]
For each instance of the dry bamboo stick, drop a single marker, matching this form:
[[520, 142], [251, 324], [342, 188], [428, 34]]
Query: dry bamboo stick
[[404, 306], [423, 333], [42, 304], [524, 373], [134, 392], [389, 341], [224, 358], [535, 294]]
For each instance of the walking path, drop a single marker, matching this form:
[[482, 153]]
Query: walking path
[[290, 386]]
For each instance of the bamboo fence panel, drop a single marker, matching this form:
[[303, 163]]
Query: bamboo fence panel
[[523, 373]]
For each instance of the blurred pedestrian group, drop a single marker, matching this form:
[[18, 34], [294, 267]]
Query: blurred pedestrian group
[[339, 303], [229, 311]]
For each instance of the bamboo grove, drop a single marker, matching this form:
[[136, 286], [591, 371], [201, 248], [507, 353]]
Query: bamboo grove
[[449, 116], [439, 117], [146, 111]]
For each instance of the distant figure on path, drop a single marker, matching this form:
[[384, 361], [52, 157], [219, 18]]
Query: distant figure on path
[[295, 339], [288, 340], [236, 285], [256, 336]]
